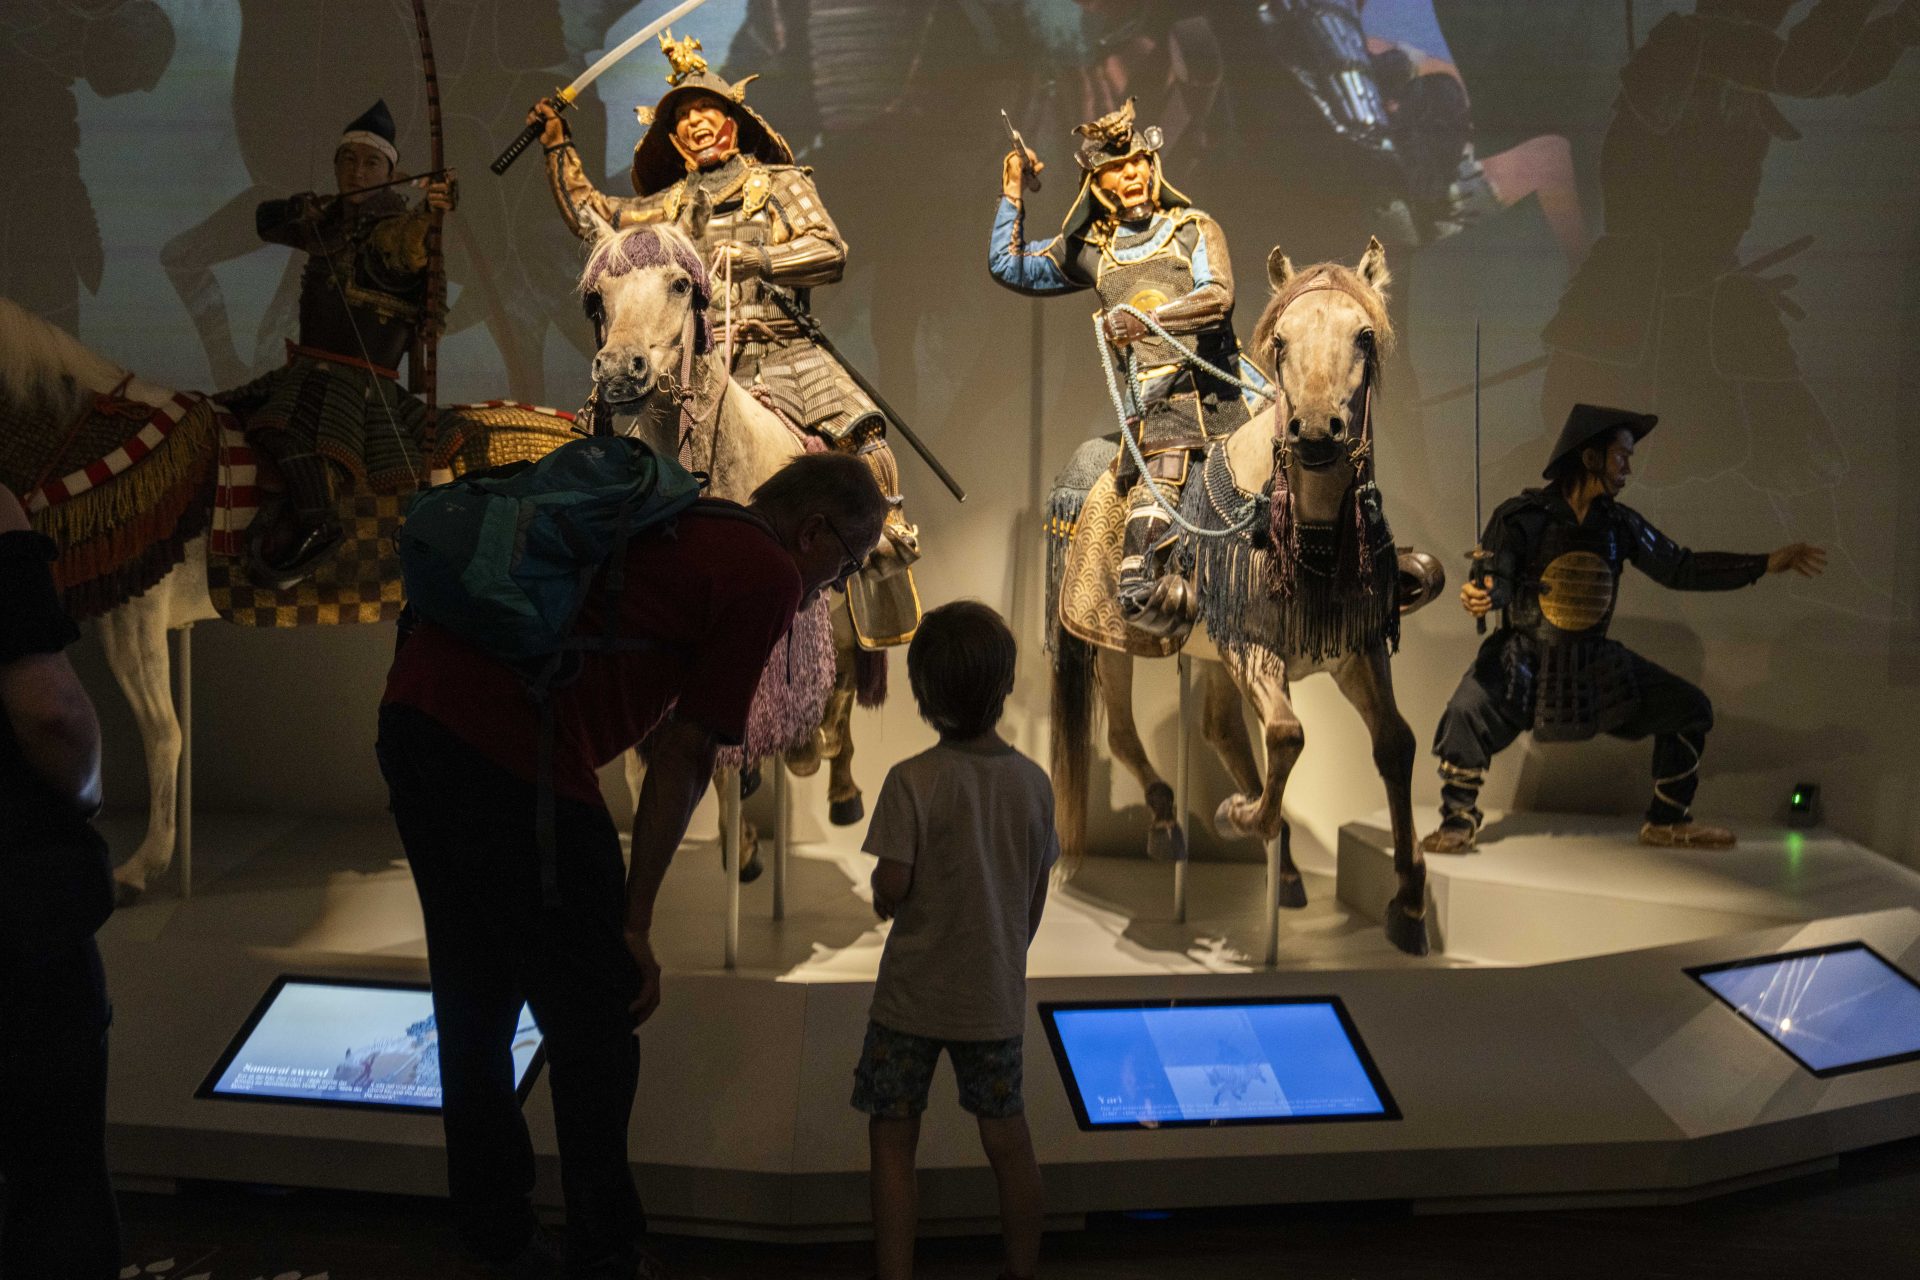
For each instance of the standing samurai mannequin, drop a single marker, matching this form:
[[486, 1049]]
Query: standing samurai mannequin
[[768, 230], [1134, 240], [1552, 563], [336, 408]]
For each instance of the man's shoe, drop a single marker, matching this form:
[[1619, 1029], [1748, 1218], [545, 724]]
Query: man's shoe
[[1686, 835], [541, 1259], [1451, 838]]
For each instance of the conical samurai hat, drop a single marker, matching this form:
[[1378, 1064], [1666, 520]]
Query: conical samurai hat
[[657, 162], [1109, 140], [1586, 423]]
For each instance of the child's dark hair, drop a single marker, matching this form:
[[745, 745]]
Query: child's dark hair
[[960, 665]]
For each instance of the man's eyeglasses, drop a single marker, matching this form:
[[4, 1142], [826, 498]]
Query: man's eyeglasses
[[850, 565]]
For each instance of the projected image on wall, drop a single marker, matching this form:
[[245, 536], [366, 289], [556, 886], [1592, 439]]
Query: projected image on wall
[[1214, 1063], [348, 1043]]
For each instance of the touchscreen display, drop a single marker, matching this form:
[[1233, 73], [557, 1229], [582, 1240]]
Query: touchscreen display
[[1214, 1062], [1836, 1009], [347, 1043]]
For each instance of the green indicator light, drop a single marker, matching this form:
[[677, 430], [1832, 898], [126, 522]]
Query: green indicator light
[[1798, 798]]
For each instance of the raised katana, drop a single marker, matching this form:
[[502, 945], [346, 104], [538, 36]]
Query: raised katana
[[565, 98]]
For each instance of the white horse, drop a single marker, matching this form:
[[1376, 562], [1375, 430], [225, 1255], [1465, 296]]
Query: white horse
[[49, 374], [637, 286]]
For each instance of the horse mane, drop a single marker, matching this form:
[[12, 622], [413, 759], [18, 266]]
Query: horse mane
[[44, 365], [1322, 275], [650, 244]]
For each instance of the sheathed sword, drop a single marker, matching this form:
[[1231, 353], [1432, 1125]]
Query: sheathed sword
[[1479, 555], [565, 98], [811, 330]]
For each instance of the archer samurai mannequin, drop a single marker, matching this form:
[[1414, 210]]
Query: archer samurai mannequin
[[1551, 561]]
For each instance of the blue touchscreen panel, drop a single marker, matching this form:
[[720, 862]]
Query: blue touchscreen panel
[[348, 1044], [1214, 1063], [1837, 1009]]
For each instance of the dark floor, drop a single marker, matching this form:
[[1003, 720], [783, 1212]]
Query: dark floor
[[1861, 1222]]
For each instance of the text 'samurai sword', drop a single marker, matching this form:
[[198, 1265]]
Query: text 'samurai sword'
[[811, 330], [565, 98]]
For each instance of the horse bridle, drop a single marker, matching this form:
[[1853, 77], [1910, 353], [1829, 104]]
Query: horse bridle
[[1360, 441]]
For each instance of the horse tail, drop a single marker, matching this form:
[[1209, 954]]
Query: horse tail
[[869, 676], [1073, 700]]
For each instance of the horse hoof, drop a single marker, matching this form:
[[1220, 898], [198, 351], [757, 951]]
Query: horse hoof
[[844, 813], [803, 762], [1408, 933], [749, 781], [1166, 842], [125, 895], [750, 869], [1293, 893]]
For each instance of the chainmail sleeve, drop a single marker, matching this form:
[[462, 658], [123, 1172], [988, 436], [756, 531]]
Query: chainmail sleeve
[[812, 251], [1672, 565]]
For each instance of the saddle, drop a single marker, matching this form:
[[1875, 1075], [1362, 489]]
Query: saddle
[[1089, 604]]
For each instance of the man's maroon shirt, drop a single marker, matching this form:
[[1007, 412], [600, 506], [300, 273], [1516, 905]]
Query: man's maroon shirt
[[716, 592]]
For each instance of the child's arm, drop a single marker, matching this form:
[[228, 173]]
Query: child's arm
[[1037, 906], [894, 838], [891, 881]]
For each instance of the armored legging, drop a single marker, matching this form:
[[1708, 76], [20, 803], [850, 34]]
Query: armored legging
[[1148, 525], [1478, 724], [308, 477]]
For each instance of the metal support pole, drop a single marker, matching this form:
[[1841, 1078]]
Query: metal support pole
[[1272, 899], [1182, 784], [730, 858], [183, 798], [782, 835]]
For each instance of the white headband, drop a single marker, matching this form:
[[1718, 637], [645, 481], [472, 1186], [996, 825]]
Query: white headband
[[373, 140]]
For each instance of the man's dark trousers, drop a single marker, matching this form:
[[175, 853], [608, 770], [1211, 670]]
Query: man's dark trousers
[[60, 1219], [1477, 725], [469, 830]]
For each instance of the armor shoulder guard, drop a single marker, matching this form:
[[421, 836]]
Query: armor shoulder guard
[[1528, 503], [755, 192]]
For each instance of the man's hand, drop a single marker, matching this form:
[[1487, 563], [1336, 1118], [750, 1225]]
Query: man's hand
[[641, 948], [1475, 599], [1803, 558], [1123, 328], [553, 129], [744, 261], [1013, 171], [443, 194]]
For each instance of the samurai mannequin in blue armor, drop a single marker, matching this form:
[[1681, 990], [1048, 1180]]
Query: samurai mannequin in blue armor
[[1550, 560], [1134, 240]]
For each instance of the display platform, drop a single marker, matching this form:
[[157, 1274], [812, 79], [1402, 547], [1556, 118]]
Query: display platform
[[1545, 887], [1614, 1076]]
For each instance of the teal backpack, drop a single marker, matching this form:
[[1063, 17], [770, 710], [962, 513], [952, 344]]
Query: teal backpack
[[505, 559]]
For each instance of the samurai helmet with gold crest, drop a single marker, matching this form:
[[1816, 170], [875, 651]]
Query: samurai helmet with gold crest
[[1110, 140], [657, 162]]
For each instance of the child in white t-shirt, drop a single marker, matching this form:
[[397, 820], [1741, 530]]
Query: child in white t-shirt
[[964, 834]]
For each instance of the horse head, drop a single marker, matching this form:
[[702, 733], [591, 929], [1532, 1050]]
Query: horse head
[[645, 290], [1323, 334]]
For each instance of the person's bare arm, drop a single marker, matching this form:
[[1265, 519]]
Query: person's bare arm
[[892, 879], [52, 717], [679, 767]]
